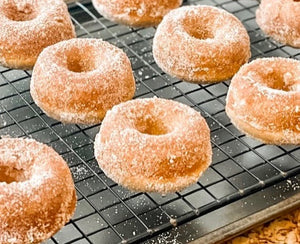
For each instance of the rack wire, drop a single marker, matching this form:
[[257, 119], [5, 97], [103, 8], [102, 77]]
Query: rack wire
[[108, 213]]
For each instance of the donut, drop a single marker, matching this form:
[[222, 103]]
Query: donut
[[153, 145], [37, 194], [28, 26], [263, 100], [201, 44], [280, 20], [78, 80], [136, 13]]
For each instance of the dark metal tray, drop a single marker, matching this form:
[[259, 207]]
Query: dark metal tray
[[248, 182]]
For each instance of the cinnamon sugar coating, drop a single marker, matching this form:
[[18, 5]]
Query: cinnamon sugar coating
[[28, 26], [138, 13], [280, 20], [153, 145], [37, 194], [264, 100], [201, 44], [78, 80]]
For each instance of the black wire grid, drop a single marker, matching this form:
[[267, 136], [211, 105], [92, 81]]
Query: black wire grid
[[108, 213]]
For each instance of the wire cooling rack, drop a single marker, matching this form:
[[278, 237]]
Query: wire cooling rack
[[245, 177]]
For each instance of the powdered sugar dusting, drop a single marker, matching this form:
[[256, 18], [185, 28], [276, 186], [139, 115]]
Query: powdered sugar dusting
[[292, 185]]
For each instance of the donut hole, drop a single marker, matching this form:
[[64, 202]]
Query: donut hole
[[152, 126], [277, 80], [80, 60], [199, 28], [10, 174], [20, 12], [200, 33]]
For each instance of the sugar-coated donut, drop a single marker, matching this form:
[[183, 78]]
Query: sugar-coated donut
[[264, 100], [201, 44], [280, 20], [78, 80], [28, 26], [37, 194], [153, 145], [136, 13]]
